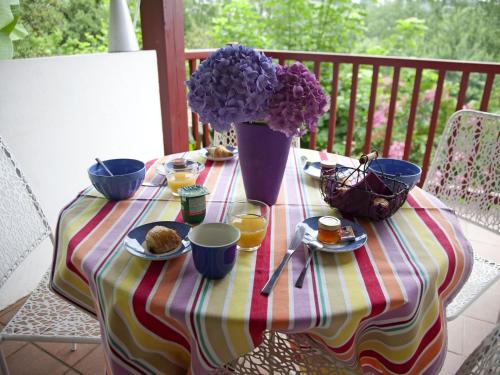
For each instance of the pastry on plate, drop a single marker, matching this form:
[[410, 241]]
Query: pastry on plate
[[219, 152], [160, 240]]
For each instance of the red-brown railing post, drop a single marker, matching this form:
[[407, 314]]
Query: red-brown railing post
[[194, 115], [332, 120], [371, 110], [392, 111], [486, 92], [432, 125], [352, 110], [312, 138], [413, 113], [464, 82], [162, 25]]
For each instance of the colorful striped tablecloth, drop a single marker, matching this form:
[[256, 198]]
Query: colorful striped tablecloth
[[381, 307]]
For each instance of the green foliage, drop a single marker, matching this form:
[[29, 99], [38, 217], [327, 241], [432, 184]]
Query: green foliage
[[289, 24], [10, 28]]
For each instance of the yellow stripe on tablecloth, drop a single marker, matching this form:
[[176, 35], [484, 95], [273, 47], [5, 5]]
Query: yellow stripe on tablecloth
[[122, 279], [72, 221], [124, 273], [355, 294], [236, 319], [450, 232]]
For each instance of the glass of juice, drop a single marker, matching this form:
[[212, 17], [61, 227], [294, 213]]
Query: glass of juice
[[251, 218], [182, 176]]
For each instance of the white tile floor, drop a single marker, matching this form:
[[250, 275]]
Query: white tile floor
[[467, 331]]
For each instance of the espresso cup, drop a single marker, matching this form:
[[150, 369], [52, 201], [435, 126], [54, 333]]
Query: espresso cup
[[214, 248]]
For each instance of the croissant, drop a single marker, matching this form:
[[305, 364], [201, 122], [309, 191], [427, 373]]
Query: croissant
[[161, 240], [219, 152]]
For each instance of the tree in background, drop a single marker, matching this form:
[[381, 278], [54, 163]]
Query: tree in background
[[63, 27], [289, 24]]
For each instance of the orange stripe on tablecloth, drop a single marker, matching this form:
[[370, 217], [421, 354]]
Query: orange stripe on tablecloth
[[392, 287], [280, 294], [88, 244], [212, 179], [164, 290], [448, 231], [430, 353], [80, 236]]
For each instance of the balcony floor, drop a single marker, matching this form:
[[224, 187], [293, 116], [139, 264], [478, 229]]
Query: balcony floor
[[474, 324]]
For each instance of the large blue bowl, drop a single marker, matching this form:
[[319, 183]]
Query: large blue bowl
[[128, 176], [400, 170]]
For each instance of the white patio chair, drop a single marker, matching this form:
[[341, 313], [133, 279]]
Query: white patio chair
[[465, 175], [485, 359], [23, 227]]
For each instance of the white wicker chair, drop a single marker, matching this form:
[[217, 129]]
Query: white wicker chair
[[465, 174], [23, 227], [485, 359]]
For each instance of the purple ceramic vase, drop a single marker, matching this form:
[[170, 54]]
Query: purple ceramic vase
[[263, 155]]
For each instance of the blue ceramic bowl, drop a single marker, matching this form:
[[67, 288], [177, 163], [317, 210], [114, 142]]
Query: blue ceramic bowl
[[128, 176], [400, 170], [214, 248]]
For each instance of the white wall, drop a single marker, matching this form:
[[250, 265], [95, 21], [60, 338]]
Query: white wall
[[58, 113]]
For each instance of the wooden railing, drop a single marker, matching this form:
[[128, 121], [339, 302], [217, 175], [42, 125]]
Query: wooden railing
[[466, 68]]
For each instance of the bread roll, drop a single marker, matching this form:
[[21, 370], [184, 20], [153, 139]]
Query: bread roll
[[161, 240], [219, 152]]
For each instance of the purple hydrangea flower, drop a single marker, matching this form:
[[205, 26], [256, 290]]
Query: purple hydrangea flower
[[232, 85], [298, 103]]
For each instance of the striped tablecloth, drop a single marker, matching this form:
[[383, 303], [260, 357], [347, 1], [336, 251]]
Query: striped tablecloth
[[382, 306]]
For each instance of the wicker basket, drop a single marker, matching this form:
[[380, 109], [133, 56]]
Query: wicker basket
[[360, 192]]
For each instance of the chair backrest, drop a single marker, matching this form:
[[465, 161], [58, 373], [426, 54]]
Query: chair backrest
[[23, 225], [465, 172]]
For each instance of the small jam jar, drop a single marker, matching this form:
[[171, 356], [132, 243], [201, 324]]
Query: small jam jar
[[329, 228], [193, 204]]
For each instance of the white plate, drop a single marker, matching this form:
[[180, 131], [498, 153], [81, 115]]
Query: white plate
[[343, 247], [234, 150], [313, 169]]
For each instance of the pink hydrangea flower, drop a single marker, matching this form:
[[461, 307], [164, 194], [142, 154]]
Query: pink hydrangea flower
[[396, 150], [298, 103], [429, 95]]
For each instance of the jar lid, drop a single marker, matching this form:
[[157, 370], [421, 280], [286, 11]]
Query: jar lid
[[179, 163], [328, 164], [329, 223], [192, 191], [183, 165]]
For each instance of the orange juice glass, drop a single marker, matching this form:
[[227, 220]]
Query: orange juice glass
[[251, 218], [178, 178]]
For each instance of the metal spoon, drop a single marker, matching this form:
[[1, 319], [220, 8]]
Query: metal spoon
[[312, 246], [150, 184], [103, 166]]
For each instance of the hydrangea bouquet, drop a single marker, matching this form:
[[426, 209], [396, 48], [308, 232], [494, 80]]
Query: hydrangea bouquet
[[237, 84]]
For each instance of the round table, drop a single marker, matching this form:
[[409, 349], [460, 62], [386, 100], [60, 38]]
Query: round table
[[380, 308]]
